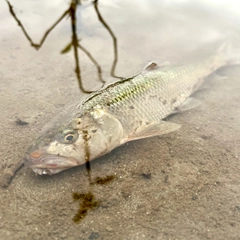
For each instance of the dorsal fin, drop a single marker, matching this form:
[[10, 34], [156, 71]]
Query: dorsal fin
[[154, 66], [151, 66]]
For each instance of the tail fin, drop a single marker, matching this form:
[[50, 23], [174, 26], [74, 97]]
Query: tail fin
[[232, 55]]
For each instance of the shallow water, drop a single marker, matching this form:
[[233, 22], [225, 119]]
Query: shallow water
[[184, 185]]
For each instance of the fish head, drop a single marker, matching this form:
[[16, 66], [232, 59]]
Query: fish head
[[75, 143]]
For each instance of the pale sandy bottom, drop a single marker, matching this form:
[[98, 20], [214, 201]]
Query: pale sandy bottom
[[184, 185]]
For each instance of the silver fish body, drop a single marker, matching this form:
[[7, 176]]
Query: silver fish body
[[127, 110]]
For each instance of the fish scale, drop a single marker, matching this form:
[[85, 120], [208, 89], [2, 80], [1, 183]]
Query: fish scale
[[153, 94]]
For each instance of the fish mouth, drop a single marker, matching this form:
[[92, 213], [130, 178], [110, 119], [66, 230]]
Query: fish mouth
[[49, 164]]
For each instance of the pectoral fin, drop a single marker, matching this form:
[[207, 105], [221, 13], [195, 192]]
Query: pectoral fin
[[153, 129]]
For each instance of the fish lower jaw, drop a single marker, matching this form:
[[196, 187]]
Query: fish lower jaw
[[47, 171], [50, 164]]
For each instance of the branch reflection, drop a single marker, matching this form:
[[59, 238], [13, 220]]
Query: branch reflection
[[35, 45], [100, 18], [71, 11]]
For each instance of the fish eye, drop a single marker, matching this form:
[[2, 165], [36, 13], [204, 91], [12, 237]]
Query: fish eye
[[68, 136]]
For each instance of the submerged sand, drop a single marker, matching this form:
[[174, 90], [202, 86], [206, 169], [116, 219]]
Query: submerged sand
[[184, 185]]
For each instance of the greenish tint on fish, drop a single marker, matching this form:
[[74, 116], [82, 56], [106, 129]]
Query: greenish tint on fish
[[130, 109]]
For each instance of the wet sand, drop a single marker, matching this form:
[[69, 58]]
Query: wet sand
[[184, 185]]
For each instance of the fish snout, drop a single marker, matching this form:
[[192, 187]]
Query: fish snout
[[34, 157], [43, 163]]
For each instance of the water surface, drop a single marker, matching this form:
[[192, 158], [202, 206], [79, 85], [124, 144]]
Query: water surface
[[184, 185]]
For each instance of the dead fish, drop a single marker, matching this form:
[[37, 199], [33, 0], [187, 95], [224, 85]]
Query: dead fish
[[129, 109]]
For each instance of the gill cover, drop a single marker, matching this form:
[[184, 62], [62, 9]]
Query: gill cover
[[103, 132]]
